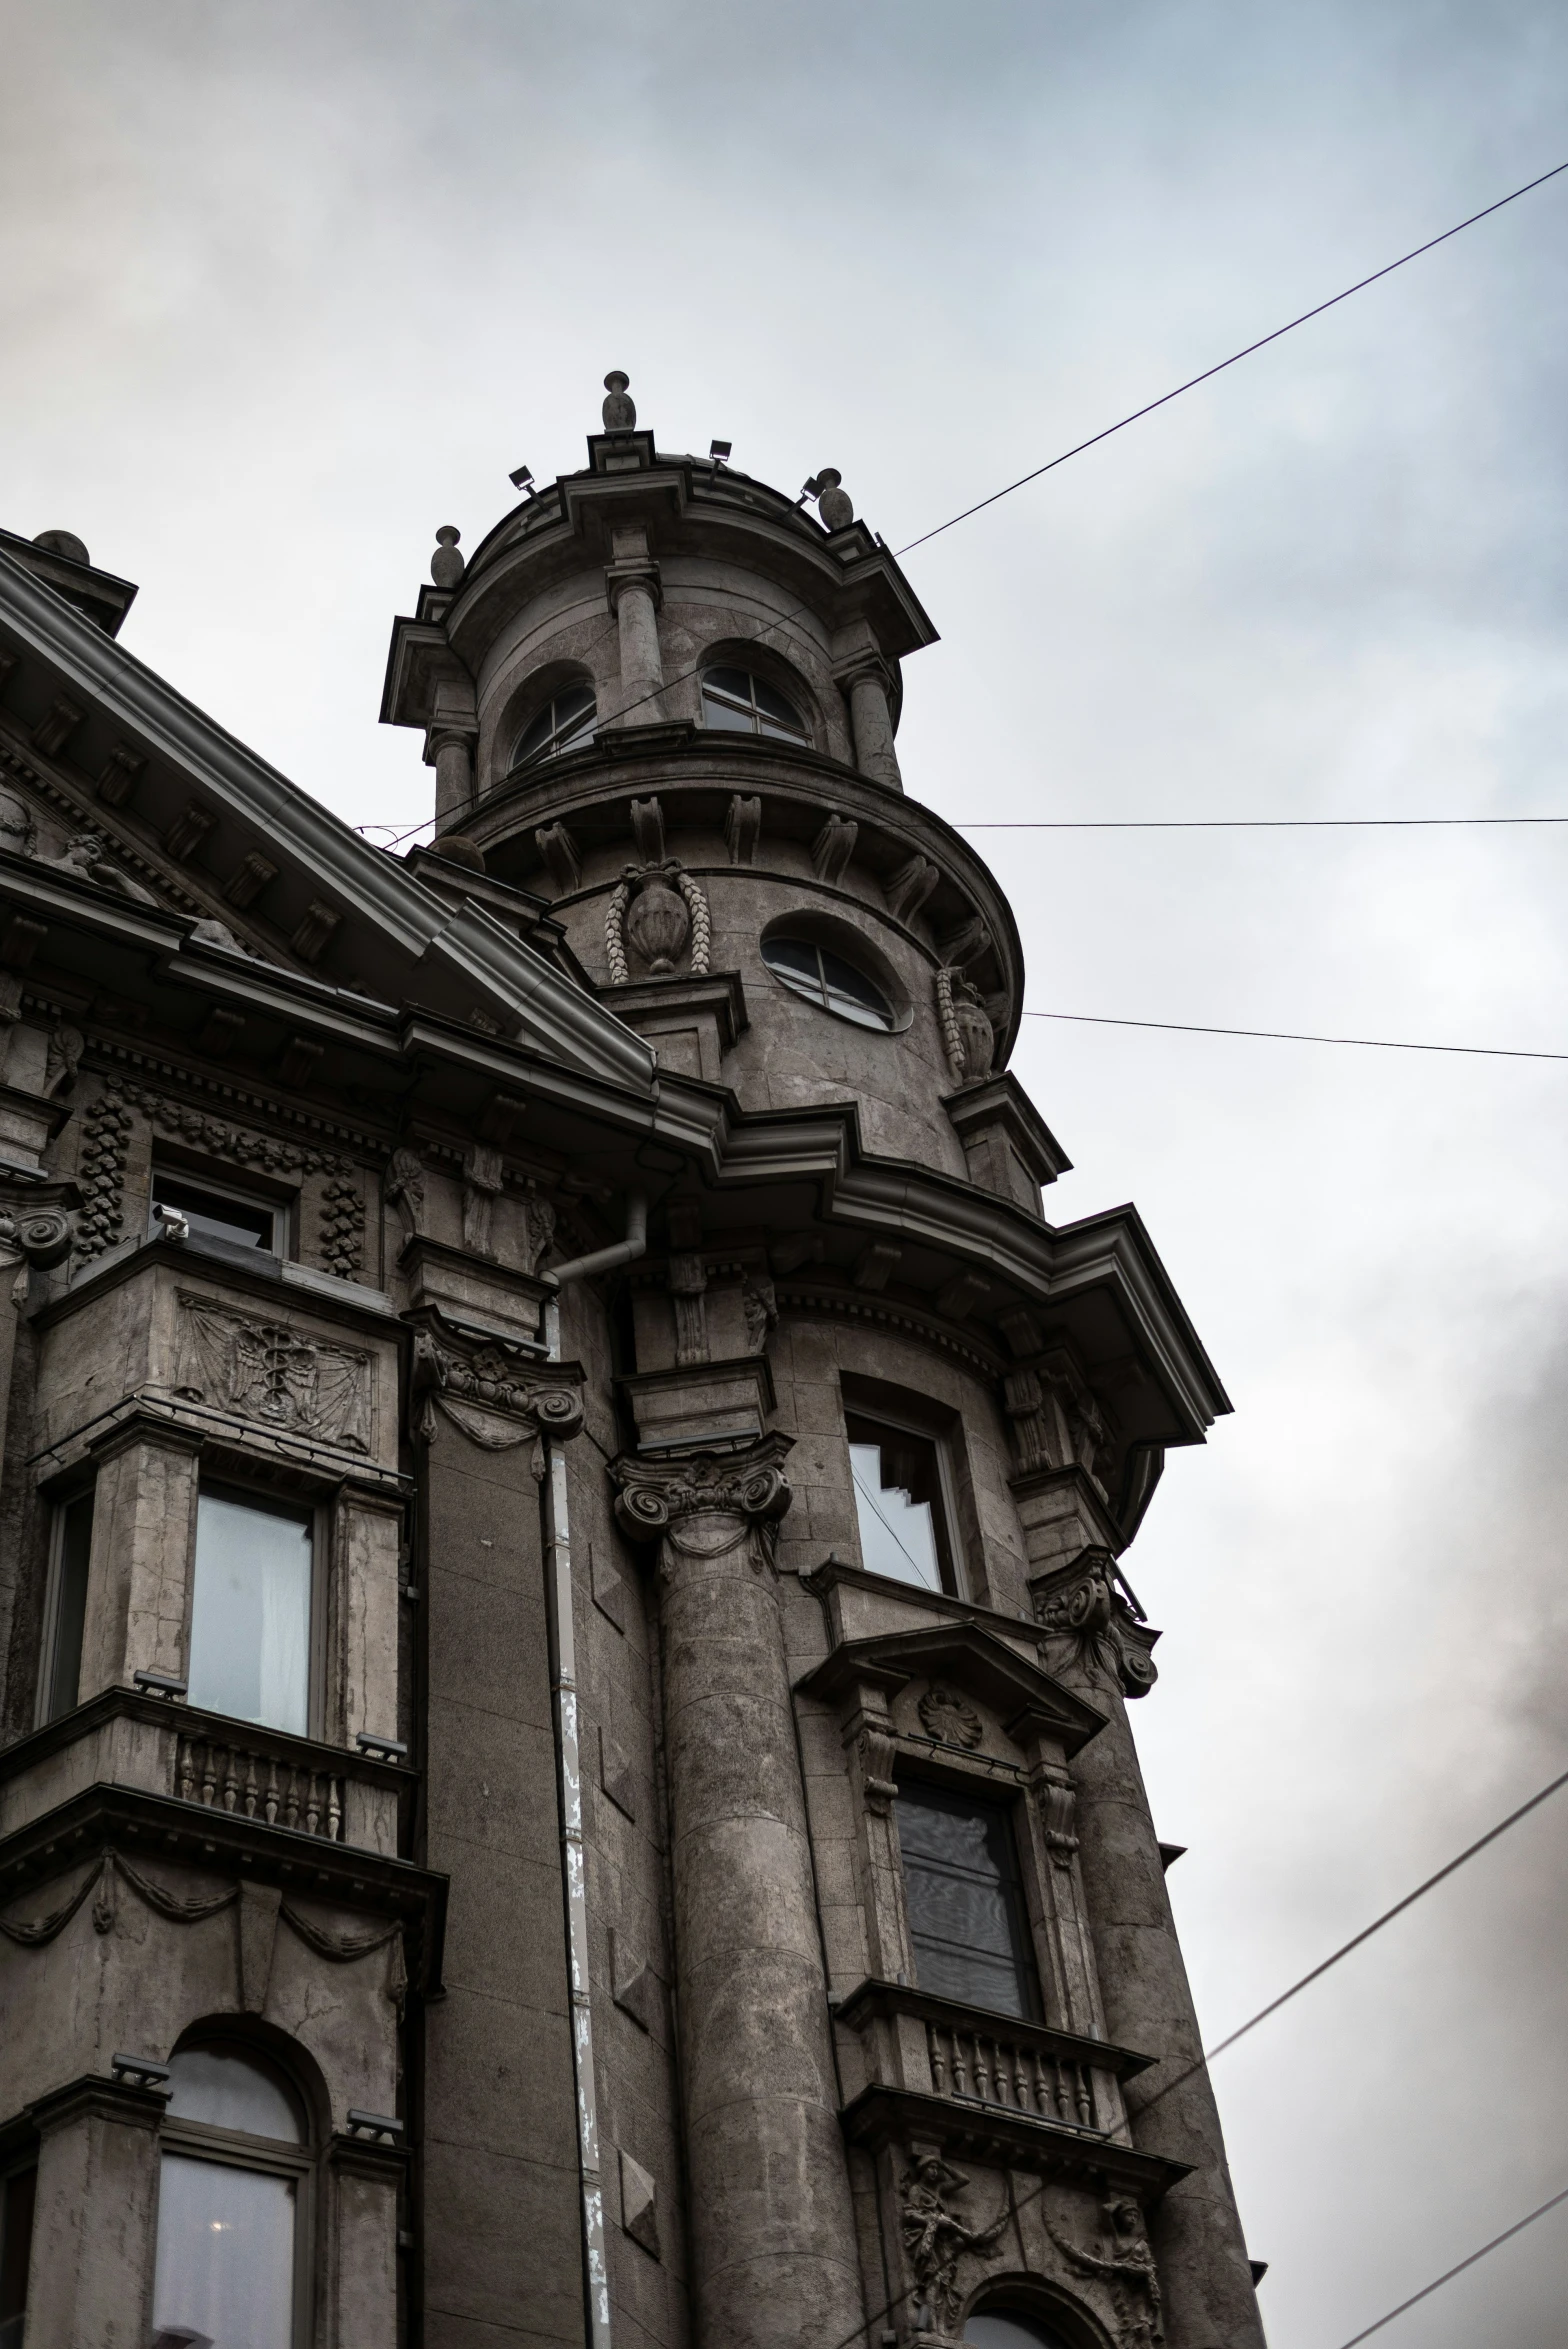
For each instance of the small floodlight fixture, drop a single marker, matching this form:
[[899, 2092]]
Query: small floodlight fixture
[[719, 452], [809, 489], [522, 479]]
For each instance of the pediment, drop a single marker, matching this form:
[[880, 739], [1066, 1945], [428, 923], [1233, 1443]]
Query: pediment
[[1021, 1696]]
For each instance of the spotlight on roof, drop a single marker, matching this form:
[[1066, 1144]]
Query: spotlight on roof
[[809, 489], [719, 451], [522, 479]]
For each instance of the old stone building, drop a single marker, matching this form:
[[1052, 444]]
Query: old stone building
[[565, 1772]]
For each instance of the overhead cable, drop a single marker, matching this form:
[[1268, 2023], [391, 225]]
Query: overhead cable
[[1449, 2274], [1219, 368], [1089, 1019], [1315, 1974], [1245, 823]]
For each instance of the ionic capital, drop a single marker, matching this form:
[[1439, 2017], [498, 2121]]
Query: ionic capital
[[705, 1504], [499, 1394]]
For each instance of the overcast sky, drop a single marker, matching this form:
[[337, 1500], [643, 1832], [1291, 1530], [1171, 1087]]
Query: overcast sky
[[286, 286]]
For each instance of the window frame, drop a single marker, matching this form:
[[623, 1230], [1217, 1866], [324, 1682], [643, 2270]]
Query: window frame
[[282, 1211], [953, 1568], [59, 1505], [961, 1787], [256, 1493], [552, 746], [236, 2150], [821, 1000], [804, 740]]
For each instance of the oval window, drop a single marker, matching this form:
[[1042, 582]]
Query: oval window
[[736, 702], [566, 722], [826, 979]]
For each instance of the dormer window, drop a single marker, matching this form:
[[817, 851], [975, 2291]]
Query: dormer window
[[736, 702], [568, 720]]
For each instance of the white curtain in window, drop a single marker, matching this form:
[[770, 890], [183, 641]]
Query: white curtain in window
[[225, 2254], [250, 1620]]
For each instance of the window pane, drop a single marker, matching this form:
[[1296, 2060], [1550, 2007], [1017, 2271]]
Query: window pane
[[965, 1914], [898, 1500], [16, 2251], [225, 2254], [988, 2330], [735, 682], [774, 712], [250, 1619], [792, 955], [231, 2091], [724, 717], [213, 1217], [65, 1666]]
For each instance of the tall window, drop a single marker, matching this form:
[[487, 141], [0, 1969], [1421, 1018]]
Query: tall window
[[967, 1923], [73, 1541], [251, 1611], [18, 2193], [736, 702], [901, 1503], [230, 2237], [566, 722]]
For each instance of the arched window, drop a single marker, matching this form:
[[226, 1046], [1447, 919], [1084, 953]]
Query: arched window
[[736, 702], [231, 2222], [826, 979], [990, 2328], [568, 720]]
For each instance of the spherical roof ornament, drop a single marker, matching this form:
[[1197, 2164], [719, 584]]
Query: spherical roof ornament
[[833, 503], [446, 564], [62, 542], [620, 413]]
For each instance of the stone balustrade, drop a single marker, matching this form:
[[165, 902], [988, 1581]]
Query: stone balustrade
[[998, 2068], [256, 1780]]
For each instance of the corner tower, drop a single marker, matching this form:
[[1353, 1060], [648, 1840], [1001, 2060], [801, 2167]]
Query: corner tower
[[882, 2030]]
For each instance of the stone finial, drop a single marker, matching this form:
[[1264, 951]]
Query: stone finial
[[446, 564], [62, 542], [833, 503], [620, 412]]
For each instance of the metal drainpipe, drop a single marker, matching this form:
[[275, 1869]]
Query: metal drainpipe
[[568, 1755]]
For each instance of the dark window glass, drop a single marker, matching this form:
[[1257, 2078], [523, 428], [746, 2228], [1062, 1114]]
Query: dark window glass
[[74, 1535], [966, 1913], [567, 721], [212, 1215], [827, 979], [989, 2329], [16, 2251], [735, 701], [899, 1503]]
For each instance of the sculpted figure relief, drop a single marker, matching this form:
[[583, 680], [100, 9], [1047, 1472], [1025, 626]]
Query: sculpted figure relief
[[936, 2238], [1127, 2265]]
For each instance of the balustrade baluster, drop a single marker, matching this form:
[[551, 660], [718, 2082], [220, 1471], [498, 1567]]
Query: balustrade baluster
[[1020, 2081], [335, 1809], [960, 2075], [312, 1803], [982, 2070], [291, 1801], [231, 1778], [1085, 2100], [269, 1803], [186, 1780], [935, 2058], [252, 1793], [209, 1776]]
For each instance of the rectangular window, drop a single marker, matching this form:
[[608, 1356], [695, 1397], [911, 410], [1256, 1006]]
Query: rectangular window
[[225, 2254], [251, 1611], [17, 2196], [73, 1541], [214, 1212], [901, 1503], [967, 1923]]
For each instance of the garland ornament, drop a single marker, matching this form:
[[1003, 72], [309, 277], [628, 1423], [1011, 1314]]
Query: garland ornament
[[656, 910]]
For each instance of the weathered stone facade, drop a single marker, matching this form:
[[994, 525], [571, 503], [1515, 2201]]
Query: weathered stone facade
[[552, 1232]]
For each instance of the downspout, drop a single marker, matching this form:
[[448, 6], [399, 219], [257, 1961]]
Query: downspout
[[568, 1757]]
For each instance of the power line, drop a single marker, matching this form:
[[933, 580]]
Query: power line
[[1449, 2274], [953, 520], [1315, 1974], [1263, 340], [1091, 1019], [1251, 823]]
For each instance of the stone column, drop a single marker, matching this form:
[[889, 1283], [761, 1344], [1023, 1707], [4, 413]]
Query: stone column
[[632, 583], [144, 1544], [449, 748], [772, 2232], [865, 684], [94, 2228], [1096, 1646]]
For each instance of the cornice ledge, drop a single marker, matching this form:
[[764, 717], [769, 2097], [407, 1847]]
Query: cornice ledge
[[992, 2133]]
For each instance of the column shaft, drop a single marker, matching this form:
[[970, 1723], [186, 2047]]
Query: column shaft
[[872, 723]]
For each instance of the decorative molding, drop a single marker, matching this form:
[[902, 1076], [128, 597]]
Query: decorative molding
[[759, 1305], [700, 1507], [657, 911], [949, 1717], [404, 1189], [265, 1370], [1092, 1634], [833, 847], [967, 1034], [878, 1750], [37, 1222], [559, 851], [742, 828], [483, 1177], [857, 1308], [639, 2204], [497, 1394], [906, 890], [936, 2238], [1127, 2266]]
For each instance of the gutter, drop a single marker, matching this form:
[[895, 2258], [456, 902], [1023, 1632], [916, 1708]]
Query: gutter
[[568, 1758]]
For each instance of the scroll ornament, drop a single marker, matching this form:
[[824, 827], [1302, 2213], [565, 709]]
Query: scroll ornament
[[702, 1508], [37, 1223], [654, 911], [1085, 1621], [498, 1400]]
